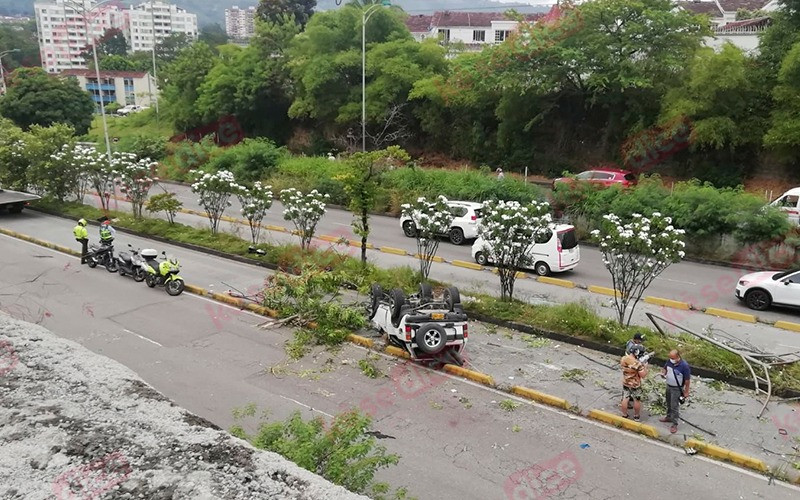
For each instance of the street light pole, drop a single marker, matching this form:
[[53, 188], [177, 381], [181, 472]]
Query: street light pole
[[2, 74], [153, 22], [85, 12], [364, 18]]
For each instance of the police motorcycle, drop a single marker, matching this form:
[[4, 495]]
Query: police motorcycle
[[133, 263], [102, 254], [163, 273]]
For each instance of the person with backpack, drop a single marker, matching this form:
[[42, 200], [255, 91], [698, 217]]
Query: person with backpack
[[677, 374], [107, 232]]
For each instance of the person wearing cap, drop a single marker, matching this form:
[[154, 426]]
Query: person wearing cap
[[82, 237], [636, 341], [633, 372], [107, 232]]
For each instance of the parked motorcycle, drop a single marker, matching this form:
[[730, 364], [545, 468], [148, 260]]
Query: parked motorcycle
[[164, 273], [103, 255], [133, 264]]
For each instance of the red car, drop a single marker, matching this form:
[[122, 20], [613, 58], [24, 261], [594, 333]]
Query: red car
[[602, 176]]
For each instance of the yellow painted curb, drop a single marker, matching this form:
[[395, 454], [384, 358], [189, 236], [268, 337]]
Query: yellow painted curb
[[196, 290], [433, 259], [470, 374], [725, 454], [467, 265], [227, 299], [540, 397], [362, 341], [620, 421], [396, 351], [724, 313], [602, 290], [395, 251], [276, 228], [332, 239], [263, 311], [357, 244], [675, 304], [520, 276], [786, 325], [556, 281]]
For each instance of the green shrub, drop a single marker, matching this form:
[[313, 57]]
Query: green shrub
[[149, 146], [251, 160]]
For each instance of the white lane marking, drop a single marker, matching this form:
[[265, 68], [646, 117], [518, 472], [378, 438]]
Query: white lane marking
[[677, 281], [143, 337], [306, 406], [342, 224]]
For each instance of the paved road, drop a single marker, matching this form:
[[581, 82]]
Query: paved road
[[454, 440], [198, 270], [699, 284]]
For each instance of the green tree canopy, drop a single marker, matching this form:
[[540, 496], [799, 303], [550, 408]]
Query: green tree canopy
[[213, 34], [23, 37], [36, 98], [785, 130], [273, 11], [183, 78]]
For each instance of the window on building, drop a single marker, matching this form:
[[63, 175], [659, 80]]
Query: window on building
[[479, 36], [444, 35], [500, 35]]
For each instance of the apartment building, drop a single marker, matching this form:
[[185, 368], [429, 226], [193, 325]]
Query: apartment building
[[66, 27], [472, 29], [122, 87], [240, 24], [162, 18]]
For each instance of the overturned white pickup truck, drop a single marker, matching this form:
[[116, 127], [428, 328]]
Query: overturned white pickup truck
[[15, 201], [428, 329]]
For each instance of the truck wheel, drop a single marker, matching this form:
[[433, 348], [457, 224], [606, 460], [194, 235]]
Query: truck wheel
[[431, 338], [452, 297], [375, 296], [397, 299], [16, 208], [425, 293]]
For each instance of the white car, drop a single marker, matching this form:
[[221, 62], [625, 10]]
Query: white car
[[466, 215], [554, 251], [425, 327], [762, 289], [132, 108]]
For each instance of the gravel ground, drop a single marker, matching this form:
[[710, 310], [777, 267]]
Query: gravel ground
[[74, 424]]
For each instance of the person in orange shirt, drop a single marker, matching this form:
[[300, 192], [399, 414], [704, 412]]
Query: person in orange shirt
[[633, 372]]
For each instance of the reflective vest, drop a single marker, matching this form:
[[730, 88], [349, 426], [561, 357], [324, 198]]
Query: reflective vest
[[80, 233], [105, 233]]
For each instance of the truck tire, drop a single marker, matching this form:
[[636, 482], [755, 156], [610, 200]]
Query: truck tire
[[396, 301], [452, 297], [375, 296], [425, 293], [431, 338], [15, 208]]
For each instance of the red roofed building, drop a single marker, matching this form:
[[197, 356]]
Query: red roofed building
[[722, 16], [122, 87]]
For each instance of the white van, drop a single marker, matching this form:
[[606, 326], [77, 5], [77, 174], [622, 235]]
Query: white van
[[554, 251], [789, 202]]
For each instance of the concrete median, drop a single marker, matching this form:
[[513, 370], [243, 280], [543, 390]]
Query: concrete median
[[724, 313]]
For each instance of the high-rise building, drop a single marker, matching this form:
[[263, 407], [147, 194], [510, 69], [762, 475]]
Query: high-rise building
[[64, 31], [66, 27], [240, 23], [164, 18]]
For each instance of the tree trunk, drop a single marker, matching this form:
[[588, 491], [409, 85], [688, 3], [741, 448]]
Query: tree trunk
[[364, 234]]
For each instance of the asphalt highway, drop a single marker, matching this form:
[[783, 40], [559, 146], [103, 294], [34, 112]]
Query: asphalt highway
[[702, 285], [453, 438]]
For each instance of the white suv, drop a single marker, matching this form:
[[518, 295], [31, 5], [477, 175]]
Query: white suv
[[466, 215]]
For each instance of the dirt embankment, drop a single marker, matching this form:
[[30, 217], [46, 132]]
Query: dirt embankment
[[74, 424]]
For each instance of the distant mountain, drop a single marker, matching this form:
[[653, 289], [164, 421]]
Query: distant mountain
[[213, 11]]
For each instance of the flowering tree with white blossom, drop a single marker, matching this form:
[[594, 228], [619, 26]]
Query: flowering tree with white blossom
[[135, 180], [98, 173], [431, 219], [508, 229], [304, 211], [215, 191], [255, 200], [635, 253]]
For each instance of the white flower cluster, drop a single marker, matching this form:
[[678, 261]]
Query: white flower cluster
[[304, 210], [255, 201], [508, 228], [649, 242], [430, 218], [215, 189]]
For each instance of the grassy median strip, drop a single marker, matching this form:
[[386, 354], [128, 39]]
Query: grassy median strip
[[572, 319]]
